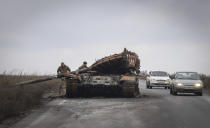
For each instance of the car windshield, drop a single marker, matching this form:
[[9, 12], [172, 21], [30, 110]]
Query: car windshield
[[187, 75], [158, 73]]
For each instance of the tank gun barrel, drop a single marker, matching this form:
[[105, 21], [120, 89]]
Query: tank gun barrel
[[66, 75], [37, 80]]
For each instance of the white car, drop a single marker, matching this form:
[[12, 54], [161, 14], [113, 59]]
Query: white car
[[158, 79]]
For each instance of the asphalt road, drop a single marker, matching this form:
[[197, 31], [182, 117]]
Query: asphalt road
[[156, 109]]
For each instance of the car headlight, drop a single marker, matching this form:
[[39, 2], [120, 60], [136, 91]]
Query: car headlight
[[198, 85], [179, 84]]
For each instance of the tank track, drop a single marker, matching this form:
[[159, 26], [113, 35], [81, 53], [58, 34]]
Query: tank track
[[75, 89]]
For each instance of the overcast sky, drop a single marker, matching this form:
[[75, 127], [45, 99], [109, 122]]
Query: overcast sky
[[169, 35]]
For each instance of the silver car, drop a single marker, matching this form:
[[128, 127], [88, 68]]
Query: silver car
[[186, 82]]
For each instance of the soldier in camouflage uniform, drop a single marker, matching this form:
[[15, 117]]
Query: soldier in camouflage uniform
[[84, 65], [62, 70]]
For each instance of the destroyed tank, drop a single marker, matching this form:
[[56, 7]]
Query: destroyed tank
[[112, 76]]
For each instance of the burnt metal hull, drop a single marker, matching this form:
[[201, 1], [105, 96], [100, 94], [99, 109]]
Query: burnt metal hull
[[121, 63], [76, 89], [111, 76]]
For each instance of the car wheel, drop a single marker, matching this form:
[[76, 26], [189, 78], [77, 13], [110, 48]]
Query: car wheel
[[166, 87], [175, 93], [200, 93], [171, 91], [148, 85]]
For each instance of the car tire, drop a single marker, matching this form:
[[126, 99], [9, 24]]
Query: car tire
[[166, 87], [200, 93], [171, 92], [148, 85], [175, 93]]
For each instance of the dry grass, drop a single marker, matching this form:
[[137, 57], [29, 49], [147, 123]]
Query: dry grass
[[206, 82], [16, 100]]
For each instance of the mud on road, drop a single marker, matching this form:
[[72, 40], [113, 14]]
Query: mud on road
[[156, 108]]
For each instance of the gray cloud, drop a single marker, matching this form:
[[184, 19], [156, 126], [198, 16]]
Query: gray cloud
[[35, 36]]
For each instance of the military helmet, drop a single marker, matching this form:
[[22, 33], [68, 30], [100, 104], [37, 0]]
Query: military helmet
[[84, 62]]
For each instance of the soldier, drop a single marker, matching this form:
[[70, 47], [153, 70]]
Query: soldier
[[84, 65], [62, 70]]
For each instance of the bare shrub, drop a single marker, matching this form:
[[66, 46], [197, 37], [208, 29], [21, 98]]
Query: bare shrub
[[16, 99], [206, 82]]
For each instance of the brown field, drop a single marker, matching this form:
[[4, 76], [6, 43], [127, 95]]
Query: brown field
[[16, 100], [206, 82]]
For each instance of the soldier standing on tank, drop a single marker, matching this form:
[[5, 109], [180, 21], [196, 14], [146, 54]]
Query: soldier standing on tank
[[61, 71], [84, 65]]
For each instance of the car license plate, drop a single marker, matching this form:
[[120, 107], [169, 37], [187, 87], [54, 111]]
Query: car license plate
[[161, 82], [189, 88]]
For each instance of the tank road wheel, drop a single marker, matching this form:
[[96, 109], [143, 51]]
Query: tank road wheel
[[199, 93], [137, 92], [72, 88], [128, 91]]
